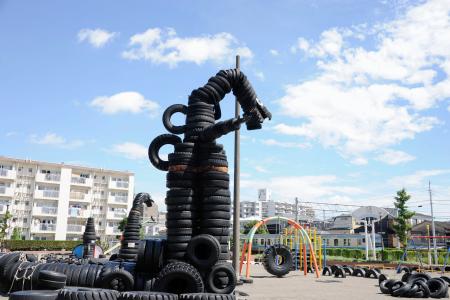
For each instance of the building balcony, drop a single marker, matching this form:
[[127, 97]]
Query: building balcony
[[46, 194], [48, 228], [6, 191], [45, 211], [48, 178], [118, 185], [112, 230], [75, 228], [116, 215], [75, 212], [7, 174], [118, 200], [80, 197], [81, 181]]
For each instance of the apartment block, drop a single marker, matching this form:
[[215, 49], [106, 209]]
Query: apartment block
[[51, 201]]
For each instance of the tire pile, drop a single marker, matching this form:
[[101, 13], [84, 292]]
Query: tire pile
[[415, 285], [104, 294], [198, 200]]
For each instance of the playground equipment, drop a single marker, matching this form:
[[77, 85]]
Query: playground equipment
[[303, 240]]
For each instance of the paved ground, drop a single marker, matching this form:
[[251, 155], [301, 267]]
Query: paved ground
[[296, 286]]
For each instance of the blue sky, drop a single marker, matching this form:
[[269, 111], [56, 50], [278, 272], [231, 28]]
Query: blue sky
[[359, 90]]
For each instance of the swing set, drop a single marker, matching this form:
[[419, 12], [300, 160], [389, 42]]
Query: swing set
[[303, 241]]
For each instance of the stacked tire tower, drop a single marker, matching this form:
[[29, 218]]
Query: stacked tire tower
[[198, 200], [89, 238], [129, 247]]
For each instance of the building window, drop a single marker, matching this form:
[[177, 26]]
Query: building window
[[336, 242]]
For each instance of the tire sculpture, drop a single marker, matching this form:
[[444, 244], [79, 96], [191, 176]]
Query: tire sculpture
[[277, 260]]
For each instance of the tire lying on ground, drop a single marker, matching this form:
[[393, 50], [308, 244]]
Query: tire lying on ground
[[382, 278], [386, 285], [359, 272], [206, 296], [34, 295], [277, 260], [438, 288], [373, 274], [348, 270], [179, 278], [141, 295], [117, 279], [339, 273], [81, 293]]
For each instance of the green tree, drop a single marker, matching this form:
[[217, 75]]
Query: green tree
[[4, 225], [16, 234], [402, 225], [122, 224], [261, 229]]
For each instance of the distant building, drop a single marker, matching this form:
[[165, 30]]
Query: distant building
[[51, 201], [424, 229], [343, 224]]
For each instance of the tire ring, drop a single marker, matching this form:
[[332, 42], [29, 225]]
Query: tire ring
[[155, 146], [176, 108]]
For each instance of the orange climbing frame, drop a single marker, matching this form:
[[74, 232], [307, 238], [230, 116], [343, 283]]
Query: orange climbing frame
[[247, 247]]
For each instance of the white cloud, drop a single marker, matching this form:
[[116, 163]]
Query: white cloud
[[364, 101], [260, 75], [56, 140], [310, 188], [360, 161], [96, 37], [131, 150], [132, 102], [261, 169], [417, 179], [394, 157], [164, 46], [274, 52], [10, 133], [273, 142]]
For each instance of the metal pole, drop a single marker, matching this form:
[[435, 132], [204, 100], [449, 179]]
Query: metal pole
[[433, 229], [367, 239], [374, 253], [296, 209], [236, 200]]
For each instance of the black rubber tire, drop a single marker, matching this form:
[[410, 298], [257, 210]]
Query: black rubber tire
[[203, 251], [176, 247], [125, 281], [181, 207], [358, 272], [415, 276], [179, 223], [51, 285], [207, 192], [385, 286], [155, 146], [179, 183], [339, 273], [446, 279], [215, 231], [214, 200], [180, 176], [214, 175], [406, 276], [402, 290], [269, 260], [326, 271], [373, 274], [180, 193], [52, 276], [179, 278], [144, 295], [224, 215], [347, 270], [424, 291], [438, 288], [34, 295], [176, 108], [382, 278], [83, 293], [180, 215], [218, 271], [215, 223], [179, 231], [206, 296], [179, 200], [216, 207]]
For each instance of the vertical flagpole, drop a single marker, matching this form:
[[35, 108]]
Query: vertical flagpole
[[236, 201]]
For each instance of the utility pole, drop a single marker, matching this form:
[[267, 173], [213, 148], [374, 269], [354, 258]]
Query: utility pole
[[236, 200], [433, 229], [366, 236], [374, 252], [296, 209]]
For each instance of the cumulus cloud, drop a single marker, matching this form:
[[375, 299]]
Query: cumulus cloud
[[53, 139], [131, 102], [130, 150], [417, 179], [363, 101], [260, 75], [164, 46], [394, 157], [274, 52], [96, 37]]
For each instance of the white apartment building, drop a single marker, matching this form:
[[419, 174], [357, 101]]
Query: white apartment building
[[51, 201], [267, 207]]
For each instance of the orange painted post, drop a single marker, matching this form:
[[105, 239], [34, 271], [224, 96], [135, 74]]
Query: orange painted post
[[241, 264], [249, 256], [304, 260]]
